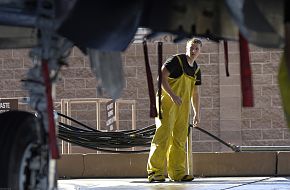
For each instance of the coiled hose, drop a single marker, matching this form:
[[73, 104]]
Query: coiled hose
[[110, 141], [105, 141]]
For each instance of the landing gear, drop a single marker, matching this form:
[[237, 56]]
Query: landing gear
[[24, 160]]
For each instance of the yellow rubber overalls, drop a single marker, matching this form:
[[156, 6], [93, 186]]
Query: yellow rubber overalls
[[171, 131], [283, 79]]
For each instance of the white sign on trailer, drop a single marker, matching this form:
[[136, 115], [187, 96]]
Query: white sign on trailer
[[110, 116], [8, 104]]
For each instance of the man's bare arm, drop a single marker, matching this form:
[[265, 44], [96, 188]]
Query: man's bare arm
[[195, 105], [165, 73]]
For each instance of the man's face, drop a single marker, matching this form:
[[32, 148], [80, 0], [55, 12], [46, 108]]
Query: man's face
[[193, 50]]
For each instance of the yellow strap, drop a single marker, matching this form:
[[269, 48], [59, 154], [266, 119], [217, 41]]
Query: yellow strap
[[180, 62], [196, 70]]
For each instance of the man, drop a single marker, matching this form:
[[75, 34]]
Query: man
[[180, 77]]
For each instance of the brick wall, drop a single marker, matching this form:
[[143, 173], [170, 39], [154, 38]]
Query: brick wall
[[265, 124], [221, 111]]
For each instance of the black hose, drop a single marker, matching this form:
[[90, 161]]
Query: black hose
[[67, 117], [105, 141], [231, 146], [110, 141]]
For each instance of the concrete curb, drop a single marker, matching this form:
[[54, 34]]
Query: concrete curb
[[204, 164]]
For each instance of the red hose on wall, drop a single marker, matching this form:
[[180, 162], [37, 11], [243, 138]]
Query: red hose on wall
[[246, 73]]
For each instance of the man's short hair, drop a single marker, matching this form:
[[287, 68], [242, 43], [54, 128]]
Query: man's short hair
[[194, 41]]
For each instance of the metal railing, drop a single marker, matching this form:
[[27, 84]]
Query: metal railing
[[66, 107]]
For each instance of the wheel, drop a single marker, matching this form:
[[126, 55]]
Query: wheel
[[24, 158]]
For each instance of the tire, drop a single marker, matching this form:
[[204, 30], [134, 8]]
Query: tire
[[20, 134]]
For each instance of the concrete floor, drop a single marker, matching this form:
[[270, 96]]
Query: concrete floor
[[219, 183]]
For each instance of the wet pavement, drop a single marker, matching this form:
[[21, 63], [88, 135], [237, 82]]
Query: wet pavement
[[209, 183]]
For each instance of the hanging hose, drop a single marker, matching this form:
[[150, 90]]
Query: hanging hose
[[159, 78], [226, 53], [153, 110], [246, 73]]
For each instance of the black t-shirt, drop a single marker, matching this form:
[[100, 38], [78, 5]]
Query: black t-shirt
[[175, 70]]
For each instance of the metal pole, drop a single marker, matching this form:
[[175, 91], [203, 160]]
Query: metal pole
[[98, 116], [117, 115], [189, 163], [264, 148], [69, 151], [189, 152], [62, 111], [133, 118]]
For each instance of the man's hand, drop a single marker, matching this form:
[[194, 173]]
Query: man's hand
[[176, 99], [195, 122]]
